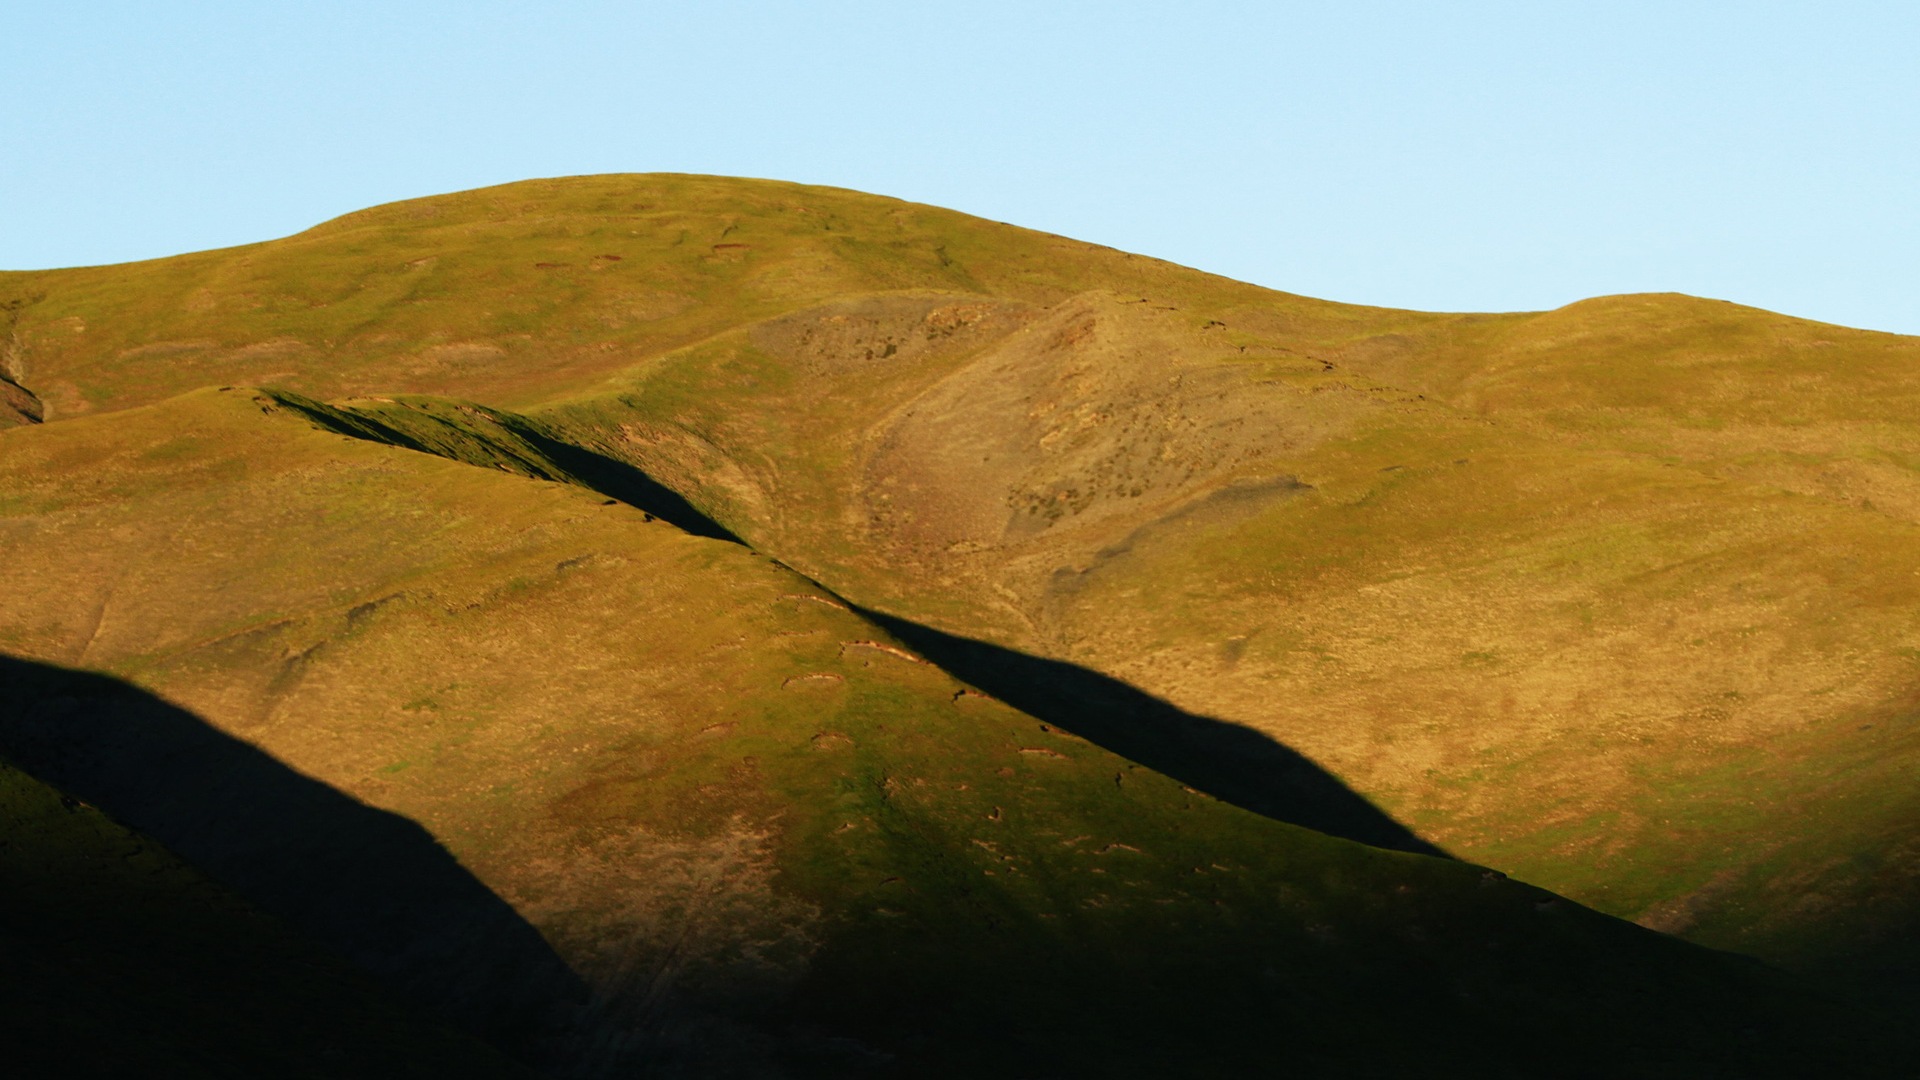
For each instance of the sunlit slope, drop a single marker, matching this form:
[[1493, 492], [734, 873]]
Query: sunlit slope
[[1648, 635], [1627, 610], [514, 293], [117, 960], [1616, 597], [755, 828]]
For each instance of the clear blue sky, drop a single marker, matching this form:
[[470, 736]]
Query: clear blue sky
[[1458, 156]]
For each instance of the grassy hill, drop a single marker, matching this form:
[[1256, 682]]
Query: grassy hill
[[1614, 599], [755, 831]]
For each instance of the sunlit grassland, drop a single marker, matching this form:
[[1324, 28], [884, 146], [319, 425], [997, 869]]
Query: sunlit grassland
[[1617, 599]]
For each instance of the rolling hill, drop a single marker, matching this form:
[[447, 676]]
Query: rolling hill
[[530, 596]]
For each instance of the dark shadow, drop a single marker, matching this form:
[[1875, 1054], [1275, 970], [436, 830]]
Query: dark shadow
[[1225, 760], [371, 884], [600, 472], [618, 480]]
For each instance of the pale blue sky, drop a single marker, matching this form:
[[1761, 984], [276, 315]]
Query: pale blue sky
[[1457, 156]]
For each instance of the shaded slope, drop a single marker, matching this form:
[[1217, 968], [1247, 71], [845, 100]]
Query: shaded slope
[[1227, 761], [118, 960], [501, 440], [766, 836], [371, 885]]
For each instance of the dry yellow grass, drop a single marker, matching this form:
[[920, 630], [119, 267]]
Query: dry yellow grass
[[1617, 598]]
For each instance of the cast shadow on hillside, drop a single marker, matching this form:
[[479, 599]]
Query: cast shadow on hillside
[[577, 464], [1225, 760], [373, 885], [1232, 763], [618, 480]]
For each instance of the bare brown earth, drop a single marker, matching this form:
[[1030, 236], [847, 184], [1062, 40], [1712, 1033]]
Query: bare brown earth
[[1617, 598]]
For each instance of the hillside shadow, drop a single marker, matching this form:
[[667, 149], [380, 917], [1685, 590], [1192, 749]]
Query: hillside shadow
[[371, 884], [578, 464], [1232, 763], [1228, 761], [618, 480]]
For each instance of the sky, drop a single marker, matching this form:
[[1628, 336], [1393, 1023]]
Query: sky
[[1463, 156]]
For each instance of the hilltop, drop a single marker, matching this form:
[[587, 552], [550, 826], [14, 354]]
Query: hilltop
[[605, 528]]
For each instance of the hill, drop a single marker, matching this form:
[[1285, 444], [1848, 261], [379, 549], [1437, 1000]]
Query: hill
[[1610, 598]]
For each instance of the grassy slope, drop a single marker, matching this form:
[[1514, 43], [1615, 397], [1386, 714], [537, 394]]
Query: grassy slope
[[760, 833], [1614, 597], [119, 960], [514, 294]]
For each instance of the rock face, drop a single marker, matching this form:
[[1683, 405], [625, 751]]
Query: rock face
[[549, 632]]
